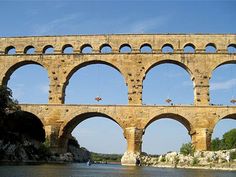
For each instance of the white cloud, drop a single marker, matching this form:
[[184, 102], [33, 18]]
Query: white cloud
[[223, 85], [79, 23], [54, 25], [146, 25]]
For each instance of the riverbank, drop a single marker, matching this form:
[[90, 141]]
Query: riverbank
[[215, 160], [224, 168], [19, 149]]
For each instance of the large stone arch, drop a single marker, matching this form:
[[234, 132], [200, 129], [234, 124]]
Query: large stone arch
[[217, 65], [31, 121], [68, 126], [77, 67], [168, 61], [36, 111], [178, 121], [222, 117], [174, 116], [174, 62], [16, 66]]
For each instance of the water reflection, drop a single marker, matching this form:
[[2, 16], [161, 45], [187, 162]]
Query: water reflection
[[81, 170]]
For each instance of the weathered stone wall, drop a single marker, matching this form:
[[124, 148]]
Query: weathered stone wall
[[60, 119]]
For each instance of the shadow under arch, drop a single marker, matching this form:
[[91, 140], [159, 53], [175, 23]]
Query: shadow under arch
[[87, 63], [169, 61], [16, 66], [172, 116], [68, 126], [27, 123]]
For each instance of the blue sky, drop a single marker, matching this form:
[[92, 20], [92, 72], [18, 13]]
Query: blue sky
[[23, 18]]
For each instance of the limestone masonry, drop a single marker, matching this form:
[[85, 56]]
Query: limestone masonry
[[60, 119]]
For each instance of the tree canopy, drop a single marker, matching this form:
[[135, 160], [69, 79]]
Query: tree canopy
[[7, 103], [13, 120], [227, 142]]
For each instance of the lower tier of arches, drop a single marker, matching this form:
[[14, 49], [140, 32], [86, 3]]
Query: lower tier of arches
[[60, 120]]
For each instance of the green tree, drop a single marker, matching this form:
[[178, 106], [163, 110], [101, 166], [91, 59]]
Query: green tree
[[227, 142], [216, 144], [7, 103], [187, 149], [229, 139]]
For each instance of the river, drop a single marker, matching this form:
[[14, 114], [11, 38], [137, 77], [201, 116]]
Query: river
[[81, 170]]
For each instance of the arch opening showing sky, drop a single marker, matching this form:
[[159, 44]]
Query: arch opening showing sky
[[30, 84], [164, 135], [96, 80], [99, 134], [167, 81]]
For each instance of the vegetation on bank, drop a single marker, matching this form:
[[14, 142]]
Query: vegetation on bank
[[187, 149], [105, 158], [228, 141], [21, 133]]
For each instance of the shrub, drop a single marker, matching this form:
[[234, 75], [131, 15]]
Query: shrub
[[44, 151], [195, 161], [163, 159], [233, 155], [187, 149]]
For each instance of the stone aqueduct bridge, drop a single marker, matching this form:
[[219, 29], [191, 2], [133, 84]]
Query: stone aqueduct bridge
[[60, 119]]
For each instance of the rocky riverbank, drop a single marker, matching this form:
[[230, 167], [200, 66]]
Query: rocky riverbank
[[20, 148], [223, 159]]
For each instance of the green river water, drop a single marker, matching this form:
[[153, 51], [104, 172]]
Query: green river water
[[81, 170]]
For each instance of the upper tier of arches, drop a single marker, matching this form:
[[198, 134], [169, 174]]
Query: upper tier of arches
[[115, 43]]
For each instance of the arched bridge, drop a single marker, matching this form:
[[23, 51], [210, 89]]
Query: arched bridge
[[60, 119]]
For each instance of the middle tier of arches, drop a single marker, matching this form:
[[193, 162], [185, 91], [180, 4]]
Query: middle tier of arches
[[133, 68]]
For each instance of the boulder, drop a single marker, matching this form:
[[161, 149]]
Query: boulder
[[131, 159]]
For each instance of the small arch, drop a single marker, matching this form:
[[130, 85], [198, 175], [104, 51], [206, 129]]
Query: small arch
[[48, 49], [189, 48], [167, 48], [125, 48], [29, 50], [210, 48], [231, 48], [173, 116], [67, 49], [10, 50], [146, 48], [105, 48], [86, 48]]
